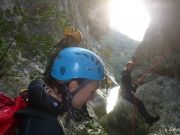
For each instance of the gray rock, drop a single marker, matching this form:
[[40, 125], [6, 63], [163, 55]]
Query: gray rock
[[161, 98]]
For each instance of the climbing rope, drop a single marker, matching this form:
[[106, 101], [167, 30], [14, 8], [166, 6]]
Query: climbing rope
[[140, 79], [133, 122]]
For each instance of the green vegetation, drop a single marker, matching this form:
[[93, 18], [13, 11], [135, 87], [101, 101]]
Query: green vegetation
[[21, 32], [89, 128]]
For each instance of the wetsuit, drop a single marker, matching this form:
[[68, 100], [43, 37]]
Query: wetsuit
[[40, 117], [126, 92]]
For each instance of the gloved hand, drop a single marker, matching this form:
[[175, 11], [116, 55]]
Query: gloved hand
[[134, 88]]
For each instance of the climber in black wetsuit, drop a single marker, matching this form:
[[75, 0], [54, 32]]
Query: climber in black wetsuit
[[128, 90]]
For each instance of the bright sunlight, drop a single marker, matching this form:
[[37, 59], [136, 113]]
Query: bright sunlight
[[112, 98], [129, 17]]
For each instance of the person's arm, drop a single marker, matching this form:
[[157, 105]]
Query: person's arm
[[134, 87], [126, 81]]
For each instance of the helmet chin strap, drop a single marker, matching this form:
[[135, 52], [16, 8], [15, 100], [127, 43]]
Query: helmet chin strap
[[69, 98], [70, 95], [81, 86]]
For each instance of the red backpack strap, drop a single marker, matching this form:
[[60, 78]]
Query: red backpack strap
[[20, 103], [8, 107]]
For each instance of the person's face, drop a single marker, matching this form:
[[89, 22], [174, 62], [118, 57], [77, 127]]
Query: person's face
[[85, 94]]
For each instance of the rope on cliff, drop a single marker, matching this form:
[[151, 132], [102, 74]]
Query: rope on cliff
[[140, 79], [133, 122]]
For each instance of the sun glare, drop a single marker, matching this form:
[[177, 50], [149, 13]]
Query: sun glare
[[129, 17], [112, 98]]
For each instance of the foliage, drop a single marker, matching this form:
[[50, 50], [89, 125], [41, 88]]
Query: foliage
[[17, 33], [44, 10], [41, 45], [2, 46], [89, 128], [167, 131]]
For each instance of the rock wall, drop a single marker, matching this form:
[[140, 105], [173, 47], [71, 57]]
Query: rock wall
[[160, 49], [157, 63], [38, 20], [44, 20], [159, 56]]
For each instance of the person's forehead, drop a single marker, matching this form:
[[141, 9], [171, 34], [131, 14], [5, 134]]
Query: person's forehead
[[96, 82]]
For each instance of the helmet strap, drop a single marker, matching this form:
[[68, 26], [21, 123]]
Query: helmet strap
[[80, 87], [70, 96]]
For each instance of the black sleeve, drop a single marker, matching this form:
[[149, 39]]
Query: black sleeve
[[40, 126], [126, 81], [134, 87]]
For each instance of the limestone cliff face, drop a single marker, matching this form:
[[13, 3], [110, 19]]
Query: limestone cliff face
[[40, 20], [160, 49], [88, 16], [44, 20], [157, 61], [159, 56]]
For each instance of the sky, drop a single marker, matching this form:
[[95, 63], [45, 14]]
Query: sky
[[129, 17]]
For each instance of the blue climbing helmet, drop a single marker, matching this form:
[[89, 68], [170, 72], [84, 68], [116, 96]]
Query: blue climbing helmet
[[76, 62]]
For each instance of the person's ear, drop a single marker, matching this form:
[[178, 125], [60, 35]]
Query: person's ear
[[73, 85]]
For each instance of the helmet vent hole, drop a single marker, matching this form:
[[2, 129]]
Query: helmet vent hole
[[86, 55], [89, 68], [92, 58], [78, 53], [97, 63], [62, 70]]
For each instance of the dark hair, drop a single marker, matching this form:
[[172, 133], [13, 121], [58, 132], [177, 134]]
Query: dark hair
[[50, 81], [62, 88]]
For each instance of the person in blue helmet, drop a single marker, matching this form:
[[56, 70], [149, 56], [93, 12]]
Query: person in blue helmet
[[75, 76]]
